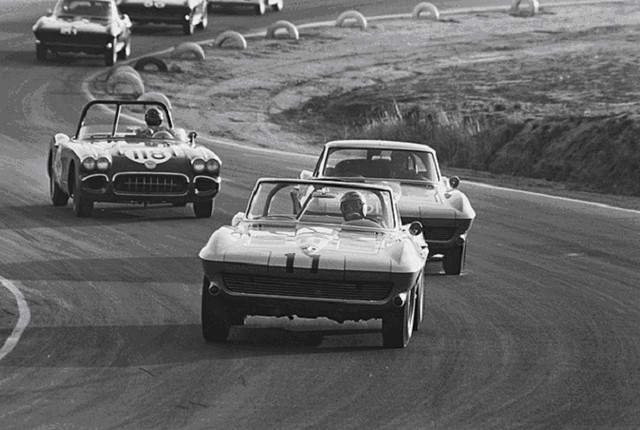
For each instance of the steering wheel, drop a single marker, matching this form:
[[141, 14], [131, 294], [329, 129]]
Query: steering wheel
[[162, 134]]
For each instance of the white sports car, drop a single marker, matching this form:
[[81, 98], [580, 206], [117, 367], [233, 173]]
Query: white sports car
[[316, 248], [424, 194]]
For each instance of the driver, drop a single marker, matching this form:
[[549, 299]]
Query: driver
[[154, 119], [354, 210], [402, 166]]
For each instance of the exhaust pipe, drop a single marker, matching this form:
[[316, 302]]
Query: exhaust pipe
[[399, 300]]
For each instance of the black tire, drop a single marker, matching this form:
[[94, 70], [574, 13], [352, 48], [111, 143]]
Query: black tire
[[453, 261], [261, 8], [82, 207], [188, 27], [419, 314], [397, 325], [215, 316], [41, 52], [278, 6], [203, 209], [58, 197], [111, 55]]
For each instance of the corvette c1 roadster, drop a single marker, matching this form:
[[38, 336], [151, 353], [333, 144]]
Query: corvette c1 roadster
[[113, 158], [316, 248]]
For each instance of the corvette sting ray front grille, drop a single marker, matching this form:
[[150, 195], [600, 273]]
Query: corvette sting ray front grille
[[136, 183], [310, 288]]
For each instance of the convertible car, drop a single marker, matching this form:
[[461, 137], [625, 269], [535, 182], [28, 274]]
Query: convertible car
[[187, 13], [424, 194], [92, 27], [316, 249], [112, 158]]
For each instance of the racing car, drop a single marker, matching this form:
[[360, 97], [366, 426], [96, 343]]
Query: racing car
[[187, 13], [424, 194], [316, 248], [113, 158], [93, 27], [260, 6]]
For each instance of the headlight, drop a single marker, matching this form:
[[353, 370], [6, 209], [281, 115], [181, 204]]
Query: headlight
[[103, 164], [198, 165], [89, 163], [213, 166]]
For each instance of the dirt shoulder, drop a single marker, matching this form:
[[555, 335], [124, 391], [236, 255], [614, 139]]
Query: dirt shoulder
[[297, 94]]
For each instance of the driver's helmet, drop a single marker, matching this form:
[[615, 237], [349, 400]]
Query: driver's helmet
[[154, 117], [353, 203]]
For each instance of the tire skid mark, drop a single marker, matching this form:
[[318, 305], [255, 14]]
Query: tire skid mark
[[23, 318]]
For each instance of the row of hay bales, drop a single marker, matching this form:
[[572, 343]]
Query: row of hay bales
[[124, 80]]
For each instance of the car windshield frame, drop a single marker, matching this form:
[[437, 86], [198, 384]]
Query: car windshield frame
[[371, 155], [110, 129], [309, 192], [107, 14]]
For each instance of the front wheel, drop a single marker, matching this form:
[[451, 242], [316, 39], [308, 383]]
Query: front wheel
[[204, 21], [58, 197], [203, 209], [261, 8], [125, 52], [397, 325], [278, 6], [82, 207], [41, 52], [419, 315], [216, 324], [453, 261]]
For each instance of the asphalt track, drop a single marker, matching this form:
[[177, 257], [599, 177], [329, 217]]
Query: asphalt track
[[540, 332]]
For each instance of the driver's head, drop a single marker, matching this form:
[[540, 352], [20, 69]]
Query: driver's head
[[154, 117], [353, 205], [400, 160]]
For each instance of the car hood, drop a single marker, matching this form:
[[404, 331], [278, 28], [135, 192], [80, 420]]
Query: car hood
[[143, 152], [430, 202], [97, 25], [315, 248]]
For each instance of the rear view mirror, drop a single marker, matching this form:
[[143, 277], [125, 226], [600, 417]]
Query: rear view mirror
[[454, 181], [306, 174], [237, 218], [415, 228]]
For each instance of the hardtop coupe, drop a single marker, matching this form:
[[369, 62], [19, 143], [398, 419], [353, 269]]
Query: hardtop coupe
[[424, 194], [314, 248], [94, 27], [187, 13], [112, 158]]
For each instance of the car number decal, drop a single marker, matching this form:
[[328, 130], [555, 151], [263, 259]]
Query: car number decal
[[144, 155], [70, 30]]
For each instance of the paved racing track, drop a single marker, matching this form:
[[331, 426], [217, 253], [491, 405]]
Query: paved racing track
[[541, 332]]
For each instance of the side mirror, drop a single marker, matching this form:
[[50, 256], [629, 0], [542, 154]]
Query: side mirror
[[236, 219], [415, 228], [306, 174], [454, 181], [192, 137]]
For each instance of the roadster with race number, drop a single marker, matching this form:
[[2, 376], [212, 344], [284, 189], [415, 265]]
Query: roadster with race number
[[112, 158], [93, 27], [424, 194], [187, 13], [316, 248], [259, 6]]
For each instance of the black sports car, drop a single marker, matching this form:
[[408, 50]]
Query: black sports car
[[93, 27], [113, 158]]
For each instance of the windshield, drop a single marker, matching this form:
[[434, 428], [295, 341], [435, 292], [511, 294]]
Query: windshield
[[316, 203], [84, 8], [381, 164], [130, 121]]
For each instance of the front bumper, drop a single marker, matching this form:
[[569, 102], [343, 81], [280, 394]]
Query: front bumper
[[337, 294], [88, 43], [143, 187]]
